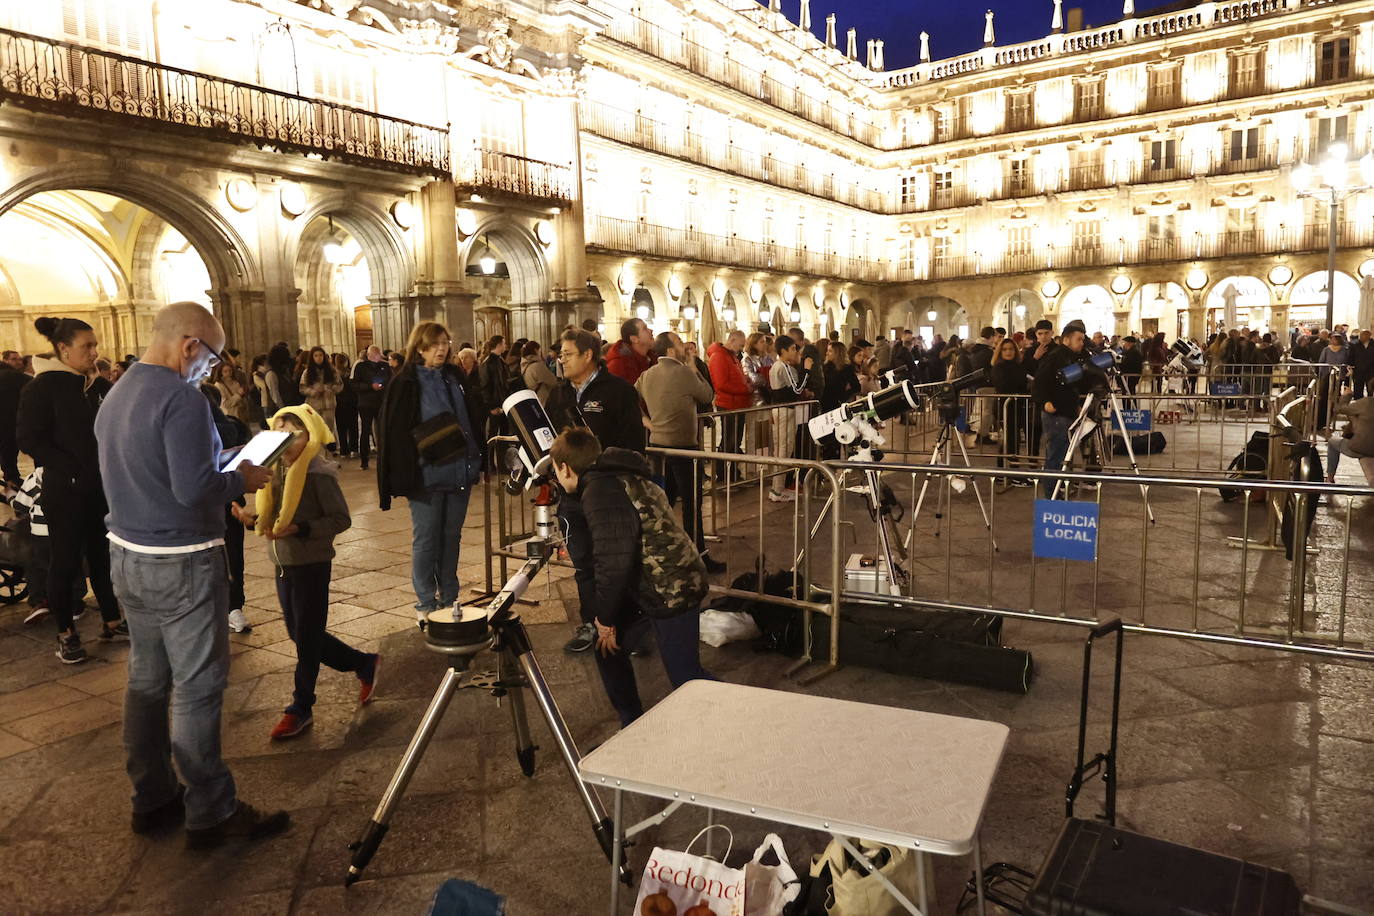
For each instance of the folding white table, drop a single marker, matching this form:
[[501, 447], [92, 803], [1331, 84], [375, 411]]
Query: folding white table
[[912, 779]]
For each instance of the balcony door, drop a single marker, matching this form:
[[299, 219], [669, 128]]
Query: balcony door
[[105, 25]]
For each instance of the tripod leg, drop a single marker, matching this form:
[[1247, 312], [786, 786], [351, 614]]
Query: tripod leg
[[524, 745], [366, 847], [1130, 453], [987, 522], [517, 641], [934, 455]]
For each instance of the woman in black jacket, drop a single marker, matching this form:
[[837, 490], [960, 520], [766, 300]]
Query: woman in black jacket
[[429, 386], [56, 427], [1009, 378]]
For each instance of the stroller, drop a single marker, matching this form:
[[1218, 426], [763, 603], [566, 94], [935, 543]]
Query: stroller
[[16, 553]]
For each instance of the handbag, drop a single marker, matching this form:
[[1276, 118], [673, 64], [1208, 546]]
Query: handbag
[[854, 891], [440, 439]]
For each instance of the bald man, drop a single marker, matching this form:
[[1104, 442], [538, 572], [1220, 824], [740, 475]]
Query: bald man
[[159, 452]]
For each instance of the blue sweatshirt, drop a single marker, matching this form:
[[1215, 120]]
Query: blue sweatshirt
[[159, 454]]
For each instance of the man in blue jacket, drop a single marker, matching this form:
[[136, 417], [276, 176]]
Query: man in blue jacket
[[159, 461]]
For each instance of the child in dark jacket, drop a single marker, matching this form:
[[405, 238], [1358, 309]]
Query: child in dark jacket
[[300, 514]]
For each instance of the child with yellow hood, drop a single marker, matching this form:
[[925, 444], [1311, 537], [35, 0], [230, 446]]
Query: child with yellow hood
[[300, 513]]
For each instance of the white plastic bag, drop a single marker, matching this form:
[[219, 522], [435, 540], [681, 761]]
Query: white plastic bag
[[769, 888], [679, 882], [720, 627]]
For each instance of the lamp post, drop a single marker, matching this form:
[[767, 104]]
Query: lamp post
[[1329, 180]]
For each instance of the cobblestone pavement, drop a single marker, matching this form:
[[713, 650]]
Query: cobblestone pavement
[[1248, 752]]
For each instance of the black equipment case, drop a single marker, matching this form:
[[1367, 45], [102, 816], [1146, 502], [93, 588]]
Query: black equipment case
[[1097, 869], [957, 646]]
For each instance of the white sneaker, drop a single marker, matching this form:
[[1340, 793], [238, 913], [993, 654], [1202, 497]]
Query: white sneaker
[[238, 621], [782, 496]]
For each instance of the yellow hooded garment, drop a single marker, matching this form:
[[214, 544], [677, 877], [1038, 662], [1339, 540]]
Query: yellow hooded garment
[[269, 515]]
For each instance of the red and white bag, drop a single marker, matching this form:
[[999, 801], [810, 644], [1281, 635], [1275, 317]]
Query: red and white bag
[[681, 884]]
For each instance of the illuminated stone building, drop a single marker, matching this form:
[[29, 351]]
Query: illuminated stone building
[[332, 171]]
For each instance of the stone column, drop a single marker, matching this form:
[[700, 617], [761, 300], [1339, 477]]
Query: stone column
[[273, 317]]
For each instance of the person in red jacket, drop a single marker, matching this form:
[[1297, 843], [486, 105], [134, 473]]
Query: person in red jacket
[[630, 356], [732, 391]]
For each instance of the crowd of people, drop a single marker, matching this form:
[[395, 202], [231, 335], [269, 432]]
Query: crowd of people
[[127, 490]]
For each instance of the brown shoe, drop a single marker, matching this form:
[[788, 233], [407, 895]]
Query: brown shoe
[[246, 823]]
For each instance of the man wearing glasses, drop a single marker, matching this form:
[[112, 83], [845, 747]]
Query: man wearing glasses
[[589, 395], [159, 458]]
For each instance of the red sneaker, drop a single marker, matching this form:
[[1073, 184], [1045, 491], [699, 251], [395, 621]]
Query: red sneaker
[[291, 725], [369, 685]]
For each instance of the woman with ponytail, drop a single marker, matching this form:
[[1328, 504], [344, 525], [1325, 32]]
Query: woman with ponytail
[[56, 427]]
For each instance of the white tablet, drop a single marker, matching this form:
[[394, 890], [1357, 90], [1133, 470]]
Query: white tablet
[[263, 449]]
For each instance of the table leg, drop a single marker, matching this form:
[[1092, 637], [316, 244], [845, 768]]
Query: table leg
[[710, 834], [921, 891], [617, 851], [978, 874]]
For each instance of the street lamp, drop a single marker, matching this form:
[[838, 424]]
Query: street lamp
[[1329, 180]]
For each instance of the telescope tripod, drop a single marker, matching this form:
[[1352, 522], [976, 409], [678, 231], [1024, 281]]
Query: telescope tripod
[[517, 671], [1087, 425], [943, 453]]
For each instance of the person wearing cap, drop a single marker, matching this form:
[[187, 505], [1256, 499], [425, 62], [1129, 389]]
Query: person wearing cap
[[1059, 401]]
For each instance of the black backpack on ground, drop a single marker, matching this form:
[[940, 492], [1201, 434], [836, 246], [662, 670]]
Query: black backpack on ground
[[1250, 464], [1142, 444]]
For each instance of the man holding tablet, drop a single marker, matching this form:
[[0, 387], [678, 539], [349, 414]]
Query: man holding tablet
[[160, 455]]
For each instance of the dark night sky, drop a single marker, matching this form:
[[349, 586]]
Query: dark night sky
[[955, 27]]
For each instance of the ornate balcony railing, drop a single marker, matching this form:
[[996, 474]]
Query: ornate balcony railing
[[637, 130], [670, 46], [491, 172], [642, 238], [1236, 243], [78, 81]]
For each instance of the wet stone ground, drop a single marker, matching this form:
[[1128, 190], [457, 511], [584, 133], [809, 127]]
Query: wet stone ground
[[1253, 753]]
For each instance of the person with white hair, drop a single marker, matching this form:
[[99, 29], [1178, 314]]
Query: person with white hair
[[159, 460]]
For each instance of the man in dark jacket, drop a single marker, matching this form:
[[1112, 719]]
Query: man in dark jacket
[[1131, 366], [980, 356], [1031, 356], [12, 381], [619, 553], [1059, 402], [1361, 363], [590, 396], [370, 377]]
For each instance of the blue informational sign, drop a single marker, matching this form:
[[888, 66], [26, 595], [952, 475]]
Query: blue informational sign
[[1065, 530], [1137, 421], [1226, 389]]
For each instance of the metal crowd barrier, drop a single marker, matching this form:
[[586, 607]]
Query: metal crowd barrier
[[1157, 582], [1155, 577]]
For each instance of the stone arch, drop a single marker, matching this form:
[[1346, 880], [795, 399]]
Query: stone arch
[[1308, 302], [1018, 310], [382, 241], [227, 255], [1157, 303], [1254, 299], [1091, 304], [523, 255]]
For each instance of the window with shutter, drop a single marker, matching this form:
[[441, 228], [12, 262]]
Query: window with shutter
[[908, 190], [1018, 178], [1333, 60], [1244, 144], [1332, 130], [105, 25]]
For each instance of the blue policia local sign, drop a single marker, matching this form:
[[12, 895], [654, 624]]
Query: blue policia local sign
[[1226, 389], [1137, 421], [1065, 530]]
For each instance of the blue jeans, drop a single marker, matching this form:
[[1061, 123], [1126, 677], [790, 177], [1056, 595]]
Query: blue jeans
[[679, 645], [1055, 430], [436, 528], [177, 607]]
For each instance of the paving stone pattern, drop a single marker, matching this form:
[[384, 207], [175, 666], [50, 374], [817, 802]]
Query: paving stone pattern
[[1247, 752]]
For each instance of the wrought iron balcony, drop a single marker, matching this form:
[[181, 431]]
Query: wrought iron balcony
[[493, 173], [74, 80], [644, 238]]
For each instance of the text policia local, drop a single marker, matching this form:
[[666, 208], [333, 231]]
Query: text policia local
[[1064, 526]]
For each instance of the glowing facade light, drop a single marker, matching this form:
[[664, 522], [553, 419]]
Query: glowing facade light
[[403, 214], [293, 199], [1280, 275], [242, 194], [795, 314], [642, 313], [487, 262], [334, 253], [728, 314], [932, 315], [1019, 310], [1196, 279], [675, 286], [689, 312], [755, 291], [1050, 289], [543, 231], [1121, 284], [718, 289], [467, 222]]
